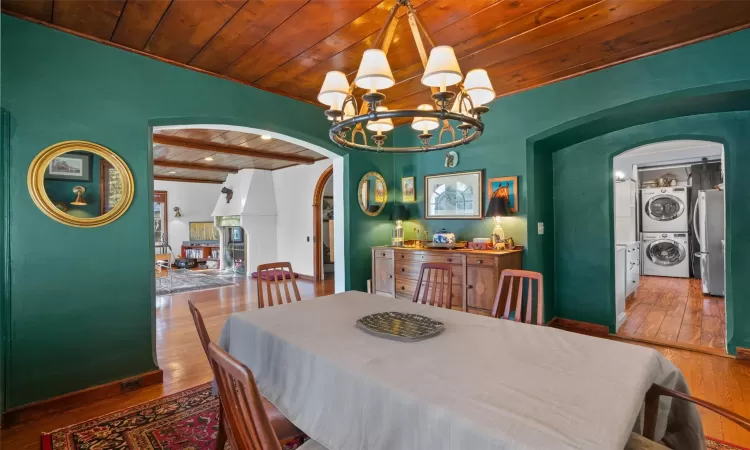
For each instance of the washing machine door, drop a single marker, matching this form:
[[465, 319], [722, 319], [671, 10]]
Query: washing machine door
[[664, 207], [665, 252]]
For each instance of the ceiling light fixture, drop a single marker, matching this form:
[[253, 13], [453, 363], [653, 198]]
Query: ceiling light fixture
[[208, 158], [441, 71], [173, 172], [266, 137]]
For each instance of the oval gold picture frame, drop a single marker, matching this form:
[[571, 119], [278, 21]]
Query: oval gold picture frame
[[35, 183], [362, 205]]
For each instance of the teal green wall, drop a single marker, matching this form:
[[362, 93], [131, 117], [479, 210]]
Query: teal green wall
[[62, 191], [69, 331], [523, 131], [584, 226], [4, 256]]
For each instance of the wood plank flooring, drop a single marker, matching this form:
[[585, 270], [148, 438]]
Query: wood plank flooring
[[722, 380], [675, 310]]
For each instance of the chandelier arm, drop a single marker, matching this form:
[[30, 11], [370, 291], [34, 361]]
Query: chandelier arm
[[385, 35], [420, 24]]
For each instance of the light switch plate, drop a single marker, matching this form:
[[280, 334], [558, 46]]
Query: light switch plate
[[540, 228]]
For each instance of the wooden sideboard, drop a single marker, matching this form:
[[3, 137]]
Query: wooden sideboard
[[476, 273]]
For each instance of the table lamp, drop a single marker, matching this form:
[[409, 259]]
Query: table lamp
[[497, 209], [399, 214]]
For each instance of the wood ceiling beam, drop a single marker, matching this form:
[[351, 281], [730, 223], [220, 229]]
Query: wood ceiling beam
[[186, 180], [229, 149], [191, 166]]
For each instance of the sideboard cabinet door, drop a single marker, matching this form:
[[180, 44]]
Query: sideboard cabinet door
[[383, 272], [481, 286]]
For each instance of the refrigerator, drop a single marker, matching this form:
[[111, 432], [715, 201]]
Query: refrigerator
[[708, 225]]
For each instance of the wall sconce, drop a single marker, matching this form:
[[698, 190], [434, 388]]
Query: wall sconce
[[79, 201], [619, 176], [177, 212]]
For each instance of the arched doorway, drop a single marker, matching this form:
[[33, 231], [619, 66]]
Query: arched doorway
[[318, 222]]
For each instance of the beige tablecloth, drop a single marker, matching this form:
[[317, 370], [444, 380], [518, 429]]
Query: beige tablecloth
[[481, 384]]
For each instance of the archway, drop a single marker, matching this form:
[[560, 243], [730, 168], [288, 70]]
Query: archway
[[317, 222]]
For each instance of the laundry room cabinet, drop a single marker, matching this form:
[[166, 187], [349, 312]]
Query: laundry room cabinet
[[632, 267]]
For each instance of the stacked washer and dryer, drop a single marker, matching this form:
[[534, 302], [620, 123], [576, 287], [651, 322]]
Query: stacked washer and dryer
[[665, 240]]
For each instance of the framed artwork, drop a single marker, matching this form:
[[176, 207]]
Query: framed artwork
[[70, 166], [203, 231], [327, 206], [407, 190], [379, 192], [453, 195], [504, 187]]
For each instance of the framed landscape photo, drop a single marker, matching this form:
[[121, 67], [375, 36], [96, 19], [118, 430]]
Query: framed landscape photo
[[453, 195], [408, 194], [203, 231], [504, 187], [70, 166]]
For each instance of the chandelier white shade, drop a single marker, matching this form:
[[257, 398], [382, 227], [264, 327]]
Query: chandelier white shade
[[479, 87], [334, 90], [380, 125], [374, 71], [442, 68], [425, 123]]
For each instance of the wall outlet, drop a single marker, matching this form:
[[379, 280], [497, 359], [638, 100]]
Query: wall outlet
[[540, 228]]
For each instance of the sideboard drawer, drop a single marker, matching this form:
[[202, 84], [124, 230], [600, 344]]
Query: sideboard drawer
[[423, 257], [386, 254], [411, 269], [480, 260]]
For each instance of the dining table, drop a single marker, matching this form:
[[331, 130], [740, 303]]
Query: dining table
[[482, 383]]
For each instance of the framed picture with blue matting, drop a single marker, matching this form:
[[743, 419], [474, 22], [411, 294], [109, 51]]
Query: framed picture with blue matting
[[504, 187]]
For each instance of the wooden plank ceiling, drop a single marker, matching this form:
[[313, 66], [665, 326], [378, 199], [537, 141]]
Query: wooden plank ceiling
[[207, 156], [287, 46]]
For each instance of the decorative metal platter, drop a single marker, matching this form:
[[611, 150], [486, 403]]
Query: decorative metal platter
[[400, 326]]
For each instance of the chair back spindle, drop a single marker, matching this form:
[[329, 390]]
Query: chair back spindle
[[440, 278], [276, 274], [510, 292]]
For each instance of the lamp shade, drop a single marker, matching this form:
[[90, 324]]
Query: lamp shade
[[498, 207], [442, 68], [334, 90], [425, 123], [374, 71], [479, 87], [399, 212], [461, 106], [380, 125]]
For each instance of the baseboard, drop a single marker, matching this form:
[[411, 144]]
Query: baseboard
[[577, 326], [305, 277], [673, 344], [71, 400], [620, 320], [743, 353]]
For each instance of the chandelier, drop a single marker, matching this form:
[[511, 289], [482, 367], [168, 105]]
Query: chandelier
[[441, 70]]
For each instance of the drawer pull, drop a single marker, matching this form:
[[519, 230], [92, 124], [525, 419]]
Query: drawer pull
[[449, 259], [403, 270], [469, 287], [390, 276], [382, 254], [402, 288], [479, 261]]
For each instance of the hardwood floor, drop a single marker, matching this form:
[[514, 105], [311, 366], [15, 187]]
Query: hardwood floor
[[674, 310], [722, 380]]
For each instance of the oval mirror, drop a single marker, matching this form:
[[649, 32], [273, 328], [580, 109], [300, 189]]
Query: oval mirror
[[80, 184], [372, 193]]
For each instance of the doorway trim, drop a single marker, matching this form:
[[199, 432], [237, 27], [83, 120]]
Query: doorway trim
[[317, 220]]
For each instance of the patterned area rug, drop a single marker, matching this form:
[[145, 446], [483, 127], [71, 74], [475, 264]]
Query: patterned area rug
[[187, 420], [184, 280]]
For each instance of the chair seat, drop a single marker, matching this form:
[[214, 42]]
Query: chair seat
[[638, 442], [311, 445], [283, 428]]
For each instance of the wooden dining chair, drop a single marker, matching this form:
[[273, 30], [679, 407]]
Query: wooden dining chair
[[284, 429], [510, 300], [652, 409], [249, 426], [279, 273], [442, 283]]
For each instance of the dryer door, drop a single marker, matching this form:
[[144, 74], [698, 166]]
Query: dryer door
[[664, 207], [665, 252]]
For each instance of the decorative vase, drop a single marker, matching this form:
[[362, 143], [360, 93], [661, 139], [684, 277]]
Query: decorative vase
[[444, 237]]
